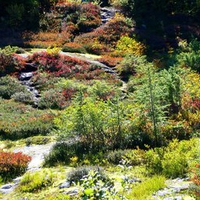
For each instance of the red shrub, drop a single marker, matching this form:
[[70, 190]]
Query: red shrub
[[13, 164], [11, 63], [60, 65]]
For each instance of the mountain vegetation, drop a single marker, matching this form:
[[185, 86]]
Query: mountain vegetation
[[113, 86]]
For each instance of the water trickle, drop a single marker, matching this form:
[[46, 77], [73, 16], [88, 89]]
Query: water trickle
[[25, 79]]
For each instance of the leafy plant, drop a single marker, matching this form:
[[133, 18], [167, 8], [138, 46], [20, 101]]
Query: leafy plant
[[132, 157], [174, 160], [126, 45], [94, 186], [63, 152], [10, 86], [53, 99], [35, 181], [13, 164], [79, 173], [10, 63], [24, 97], [94, 121], [73, 47]]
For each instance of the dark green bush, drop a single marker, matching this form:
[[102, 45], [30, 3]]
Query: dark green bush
[[9, 86], [76, 175], [62, 152], [24, 97]]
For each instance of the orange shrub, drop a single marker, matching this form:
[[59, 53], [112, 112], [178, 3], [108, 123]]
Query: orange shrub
[[110, 60], [13, 164]]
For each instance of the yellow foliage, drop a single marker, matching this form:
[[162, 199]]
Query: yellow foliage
[[53, 51], [127, 45], [191, 84]]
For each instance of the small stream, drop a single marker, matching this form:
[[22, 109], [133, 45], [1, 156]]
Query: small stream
[[25, 78], [107, 13]]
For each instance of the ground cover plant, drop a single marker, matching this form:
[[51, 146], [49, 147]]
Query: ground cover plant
[[123, 122]]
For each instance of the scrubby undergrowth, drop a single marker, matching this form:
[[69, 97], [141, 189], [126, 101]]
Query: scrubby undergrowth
[[124, 121]]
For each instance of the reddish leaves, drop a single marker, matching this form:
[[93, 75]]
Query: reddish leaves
[[13, 164]]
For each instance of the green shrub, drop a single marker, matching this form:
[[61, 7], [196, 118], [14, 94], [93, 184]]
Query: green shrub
[[189, 54], [174, 160], [73, 47], [129, 46], [13, 164], [96, 186], [39, 140], [132, 157], [24, 97], [53, 99], [63, 152], [8, 50], [79, 173], [97, 123], [20, 121], [102, 90], [9, 86], [35, 181], [128, 66]]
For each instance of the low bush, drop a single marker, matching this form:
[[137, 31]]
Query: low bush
[[35, 181], [20, 121], [10, 86], [13, 164], [9, 50], [96, 186], [39, 140], [79, 173], [73, 47], [102, 90], [63, 66], [10, 63], [189, 54], [128, 66], [68, 67], [174, 160], [127, 45], [63, 152], [131, 157], [52, 99], [24, 97], [110, 61]]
